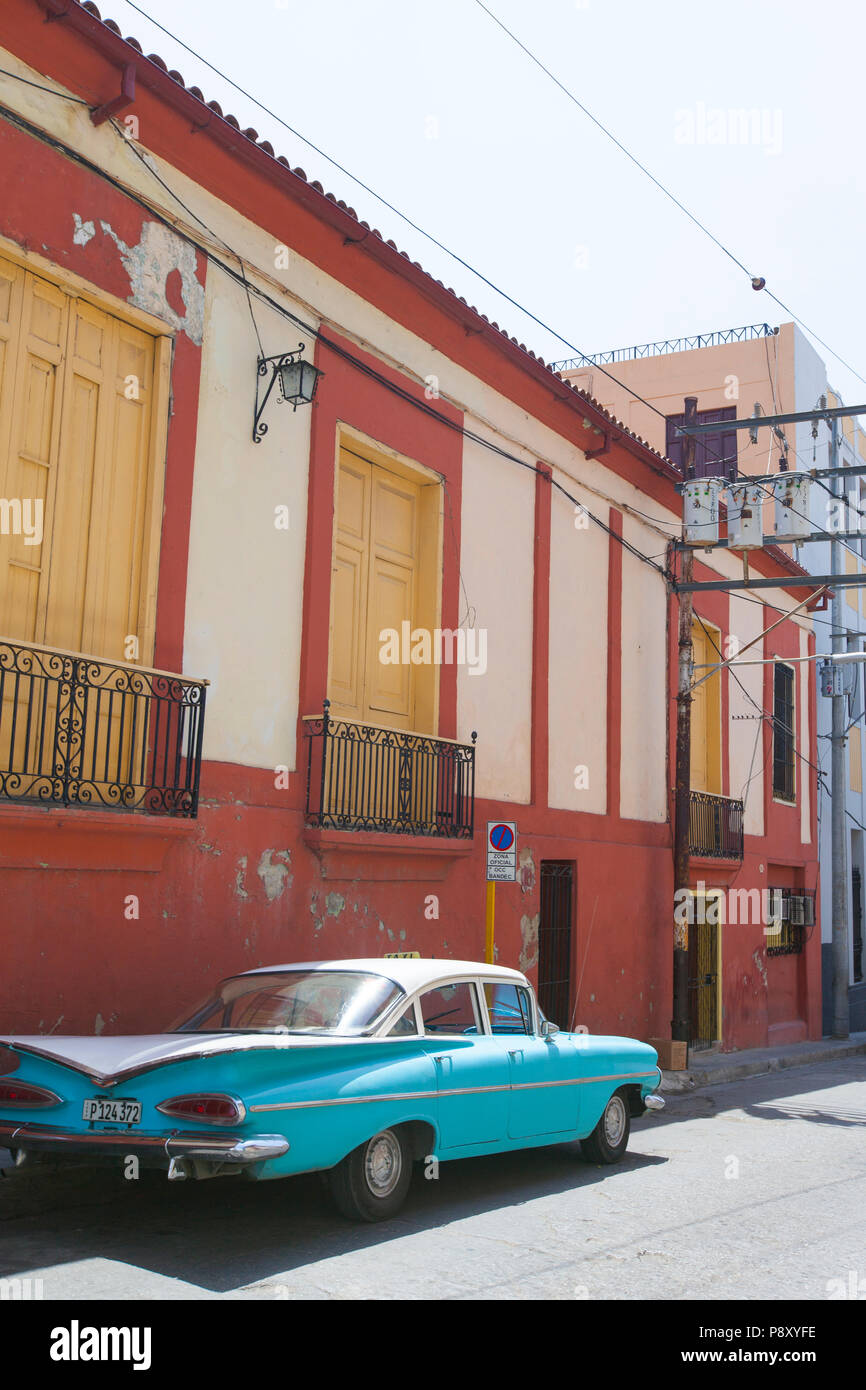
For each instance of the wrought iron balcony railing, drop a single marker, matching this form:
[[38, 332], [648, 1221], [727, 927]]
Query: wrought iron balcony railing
[[363, 777], [79, 731], [715, 826]]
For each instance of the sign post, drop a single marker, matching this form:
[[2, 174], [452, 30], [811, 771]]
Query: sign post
[[501, 868]]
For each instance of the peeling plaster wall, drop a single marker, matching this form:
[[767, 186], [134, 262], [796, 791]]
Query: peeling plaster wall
[[149, 264]]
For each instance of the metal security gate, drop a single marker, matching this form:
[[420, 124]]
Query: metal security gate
[[704, 1019], [554, 940]]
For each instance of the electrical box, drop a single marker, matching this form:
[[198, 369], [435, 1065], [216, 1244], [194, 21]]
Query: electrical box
[[792, 492], [831, 680], [701, 510], [745, 516]]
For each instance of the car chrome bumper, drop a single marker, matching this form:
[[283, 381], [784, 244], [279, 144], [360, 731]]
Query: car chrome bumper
[[653, 1102], [219, 1148]]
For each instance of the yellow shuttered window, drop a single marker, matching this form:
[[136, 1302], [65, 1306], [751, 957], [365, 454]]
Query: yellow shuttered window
[[375, 586], [385, 586], [83, 407], [83, 415], [706, 772]]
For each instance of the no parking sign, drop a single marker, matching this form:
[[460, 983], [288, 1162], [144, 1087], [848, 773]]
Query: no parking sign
[[501, 851]]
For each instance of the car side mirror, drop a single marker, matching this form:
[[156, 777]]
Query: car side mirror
[[548, 1029]]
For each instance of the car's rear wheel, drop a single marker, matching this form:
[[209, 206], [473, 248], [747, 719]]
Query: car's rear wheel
[[609, 1140], [371, 1183]]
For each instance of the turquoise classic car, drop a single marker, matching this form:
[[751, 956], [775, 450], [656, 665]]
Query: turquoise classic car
[[356, 1068]]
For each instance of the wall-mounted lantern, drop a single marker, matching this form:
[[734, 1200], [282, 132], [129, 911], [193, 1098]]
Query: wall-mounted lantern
[[298, 381]]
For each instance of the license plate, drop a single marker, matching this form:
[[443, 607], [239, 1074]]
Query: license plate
[[118, 1112]]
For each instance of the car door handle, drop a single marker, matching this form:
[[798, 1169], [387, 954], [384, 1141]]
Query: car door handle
[[518, 1052]]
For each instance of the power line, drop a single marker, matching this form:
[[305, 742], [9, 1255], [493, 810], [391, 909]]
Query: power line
[[390, 206], [429, 236], [758, 282]]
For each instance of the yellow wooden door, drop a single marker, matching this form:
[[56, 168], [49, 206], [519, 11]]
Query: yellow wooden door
[[706, 717], [699, 718], [373, 592], [348, 637], [35, 326], [390, 686], [81, 433]]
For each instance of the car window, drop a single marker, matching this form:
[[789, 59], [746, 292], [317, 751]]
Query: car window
[[405, 1024], [345, 1002], [449, 1009], [509, 1007]]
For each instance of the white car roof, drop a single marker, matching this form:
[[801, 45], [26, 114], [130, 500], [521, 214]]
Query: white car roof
[[410, 974]]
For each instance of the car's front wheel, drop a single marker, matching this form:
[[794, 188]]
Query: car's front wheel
[[371, 1183], [609, 1139]]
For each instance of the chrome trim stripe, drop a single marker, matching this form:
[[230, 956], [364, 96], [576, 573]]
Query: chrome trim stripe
[[457, 1091]]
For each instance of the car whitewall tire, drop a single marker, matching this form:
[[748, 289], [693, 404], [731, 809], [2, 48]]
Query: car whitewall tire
[[371, 1183], [609, 1140]]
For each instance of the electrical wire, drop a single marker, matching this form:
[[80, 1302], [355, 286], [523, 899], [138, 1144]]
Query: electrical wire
[[52, 91], [757, 281]]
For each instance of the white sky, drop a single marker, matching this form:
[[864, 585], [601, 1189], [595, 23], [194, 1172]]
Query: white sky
[[435, 108]]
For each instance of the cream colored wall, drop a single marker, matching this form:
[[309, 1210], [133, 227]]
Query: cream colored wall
[[746, 727], [643, 763], [577, 700], [498, 514], [246, 574]]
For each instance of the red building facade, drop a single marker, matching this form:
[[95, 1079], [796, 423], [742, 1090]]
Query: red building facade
[[116, 918]]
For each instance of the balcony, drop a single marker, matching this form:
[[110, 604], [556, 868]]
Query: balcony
[[76, 730], [715, 826], [364, 777]]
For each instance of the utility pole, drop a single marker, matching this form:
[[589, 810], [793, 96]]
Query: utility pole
[[839, 785], [683, 774]]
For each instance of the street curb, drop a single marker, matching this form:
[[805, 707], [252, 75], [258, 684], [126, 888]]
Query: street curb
[[697, 1077]]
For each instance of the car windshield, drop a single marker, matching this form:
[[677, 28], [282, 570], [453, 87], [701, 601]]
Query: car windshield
[[294, 1001]]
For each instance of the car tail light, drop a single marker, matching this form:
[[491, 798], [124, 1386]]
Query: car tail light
[[208, 1109], [20, 1095], [9, 1061]]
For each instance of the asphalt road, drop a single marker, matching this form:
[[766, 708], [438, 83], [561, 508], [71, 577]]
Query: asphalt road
[[755, 1189]]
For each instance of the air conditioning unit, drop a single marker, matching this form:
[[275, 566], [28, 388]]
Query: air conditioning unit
[[777, 910], [808, 912], [798, 912]]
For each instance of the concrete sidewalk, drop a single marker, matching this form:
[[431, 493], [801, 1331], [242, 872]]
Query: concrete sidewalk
[[713, 1068]]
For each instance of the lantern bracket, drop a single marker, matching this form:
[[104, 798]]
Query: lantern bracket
[[271, 367]]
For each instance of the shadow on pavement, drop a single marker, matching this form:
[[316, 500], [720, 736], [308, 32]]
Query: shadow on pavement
[[226, 1233]]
